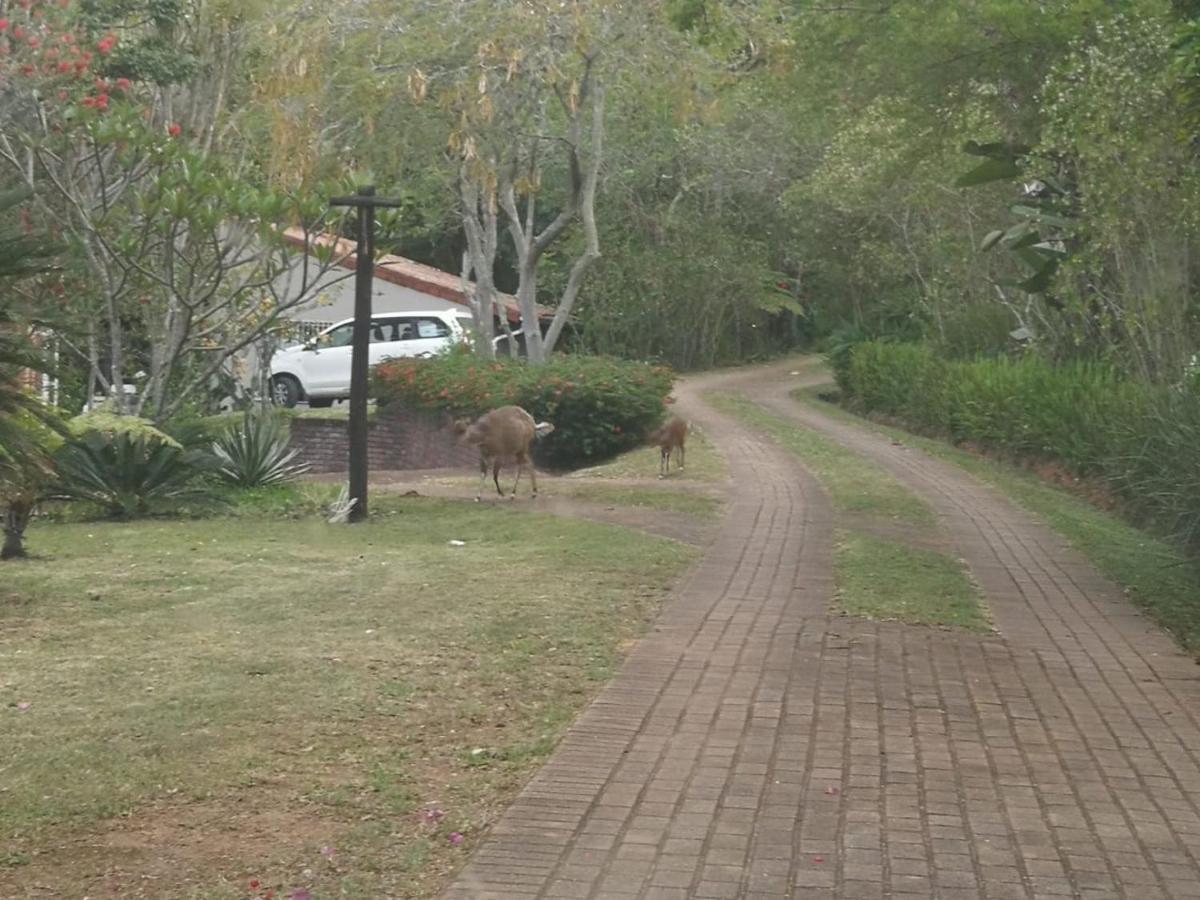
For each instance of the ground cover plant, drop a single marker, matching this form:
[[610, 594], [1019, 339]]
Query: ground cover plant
[[191, 705]]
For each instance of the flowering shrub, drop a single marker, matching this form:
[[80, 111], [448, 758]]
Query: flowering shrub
[[42, 48], [599, 406]]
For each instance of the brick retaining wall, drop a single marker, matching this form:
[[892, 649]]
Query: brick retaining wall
[[397, 438]]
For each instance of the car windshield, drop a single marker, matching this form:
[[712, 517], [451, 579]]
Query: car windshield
[[341, 336]]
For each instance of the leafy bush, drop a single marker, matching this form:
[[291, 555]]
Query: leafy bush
[[124, 465], [1143, 440], [1160, 462], [599, 406], [199, 432], [839, 349], [255, 453], [112, 424]]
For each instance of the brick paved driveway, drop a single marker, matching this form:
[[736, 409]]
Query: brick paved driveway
[[755, 746]]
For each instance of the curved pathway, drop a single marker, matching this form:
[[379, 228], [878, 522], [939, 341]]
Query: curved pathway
[[753, 745]]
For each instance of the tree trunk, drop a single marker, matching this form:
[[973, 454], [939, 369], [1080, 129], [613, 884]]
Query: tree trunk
[[583, 159], [479, 224], [16, 519], [527, 300], [587, 217]]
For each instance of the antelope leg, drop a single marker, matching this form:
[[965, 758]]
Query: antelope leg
[[482, 476]]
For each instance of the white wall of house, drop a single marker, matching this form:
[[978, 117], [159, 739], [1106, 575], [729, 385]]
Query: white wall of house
[[335, 300]]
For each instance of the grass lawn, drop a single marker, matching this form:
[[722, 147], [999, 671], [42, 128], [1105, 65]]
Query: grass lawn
[[189, 705], [1156, 575], [855, 484], [881, 579]]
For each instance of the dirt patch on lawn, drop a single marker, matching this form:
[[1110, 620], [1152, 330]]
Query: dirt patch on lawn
[[174, 849]]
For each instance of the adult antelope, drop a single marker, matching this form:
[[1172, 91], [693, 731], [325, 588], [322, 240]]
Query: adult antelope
[[669, 438], [500, 435]]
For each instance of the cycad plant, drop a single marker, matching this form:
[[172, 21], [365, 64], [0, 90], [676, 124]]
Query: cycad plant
[[127, 472], [26, 426], [256, 453], [21, 256]]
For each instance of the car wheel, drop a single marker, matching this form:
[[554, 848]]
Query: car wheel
[[320, 402], [285, 390]]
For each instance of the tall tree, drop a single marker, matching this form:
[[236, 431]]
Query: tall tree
[[185, 260]]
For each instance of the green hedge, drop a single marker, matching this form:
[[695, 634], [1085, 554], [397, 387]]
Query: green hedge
[[1142, 440], [599, 406]]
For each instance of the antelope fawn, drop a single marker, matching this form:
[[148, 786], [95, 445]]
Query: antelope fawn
[[669, 438]]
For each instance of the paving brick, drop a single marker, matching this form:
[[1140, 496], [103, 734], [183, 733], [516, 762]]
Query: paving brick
[[756, 746]]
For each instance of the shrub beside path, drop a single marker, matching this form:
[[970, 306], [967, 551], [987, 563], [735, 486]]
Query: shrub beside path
[[754, 745]]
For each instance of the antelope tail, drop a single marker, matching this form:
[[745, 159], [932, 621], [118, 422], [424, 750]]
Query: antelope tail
[[541, 429]]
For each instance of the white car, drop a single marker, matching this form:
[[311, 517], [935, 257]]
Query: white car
[[319, 369]]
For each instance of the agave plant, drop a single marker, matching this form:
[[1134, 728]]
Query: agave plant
[[256, 453], [125, 472]]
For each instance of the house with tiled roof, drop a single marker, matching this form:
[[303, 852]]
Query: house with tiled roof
[[401, 285]]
